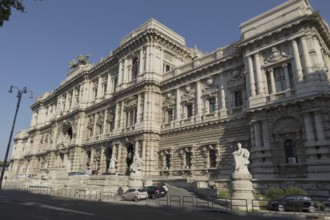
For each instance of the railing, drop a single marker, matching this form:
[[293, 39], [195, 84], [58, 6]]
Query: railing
[[252, 206]]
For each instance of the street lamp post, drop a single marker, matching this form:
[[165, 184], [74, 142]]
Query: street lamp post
[[19, 96]]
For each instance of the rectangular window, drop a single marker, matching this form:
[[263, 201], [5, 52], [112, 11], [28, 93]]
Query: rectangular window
[[212, 105], [169, 115], [279, 77], [135, 68], [189, 110], [212, 158], [188, 160], [95, 92], [168, 160], [238, 99], [133, 116], [104, 88], [290, 75], [115, 82]]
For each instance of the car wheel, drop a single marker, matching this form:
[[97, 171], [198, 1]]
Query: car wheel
[[136, 199], [280, 208], [311, 209]]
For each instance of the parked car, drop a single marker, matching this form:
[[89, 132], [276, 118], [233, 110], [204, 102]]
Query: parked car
[[155, 191], [77, 174], [327, 204], [162, 185], [294, 203], [135, 194]]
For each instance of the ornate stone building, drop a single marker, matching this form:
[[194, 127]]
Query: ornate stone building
[[182, 110]]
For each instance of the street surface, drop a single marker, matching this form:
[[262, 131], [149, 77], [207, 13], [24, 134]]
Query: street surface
[[24, 205]]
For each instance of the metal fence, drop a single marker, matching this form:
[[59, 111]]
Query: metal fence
[[224, 204]]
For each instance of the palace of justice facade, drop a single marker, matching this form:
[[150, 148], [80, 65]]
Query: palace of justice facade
[[183, 111]]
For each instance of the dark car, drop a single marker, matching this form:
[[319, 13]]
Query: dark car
[[293, 203], [327, 204], [155, 191]]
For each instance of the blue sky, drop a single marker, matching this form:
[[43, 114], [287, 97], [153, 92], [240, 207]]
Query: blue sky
[[36, 46]]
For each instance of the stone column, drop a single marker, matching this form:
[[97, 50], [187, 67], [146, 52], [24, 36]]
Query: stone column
[[307, 63], [151, 110], [136, 148], [308, 127], [199, 100], [138, 109], [147, 58], [178, 105], [258, 73], [119, 157], [151, 151], [222, 93], [145, 109], [66, 107], [122, 115], [251, 76], [103, 161], [299, 75], [257, 136], [265, 134], [319, 126], [272, 81], [141, 62], [109, 81], [120, 72], [287, 77], [144, 157], [117, 125], [319, 57], [151, 57], [99, 89]]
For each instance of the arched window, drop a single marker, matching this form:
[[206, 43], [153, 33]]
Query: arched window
[[290, 151]]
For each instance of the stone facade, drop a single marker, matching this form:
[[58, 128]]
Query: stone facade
[[182, 110]]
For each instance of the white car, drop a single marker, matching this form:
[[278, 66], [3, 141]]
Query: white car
[[135, 194]]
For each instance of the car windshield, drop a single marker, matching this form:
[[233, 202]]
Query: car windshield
[[141, 190]]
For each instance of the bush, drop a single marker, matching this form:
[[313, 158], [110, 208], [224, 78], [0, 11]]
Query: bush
[[224, 193], [275, 193], [294, 190]]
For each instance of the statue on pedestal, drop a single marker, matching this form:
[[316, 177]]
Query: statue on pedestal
[[241, 159], [137, 165], [112, 165], [242, 187]]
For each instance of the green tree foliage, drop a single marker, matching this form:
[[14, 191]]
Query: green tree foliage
[[7, 163], [5, 9], [224, 193], [275, 193]]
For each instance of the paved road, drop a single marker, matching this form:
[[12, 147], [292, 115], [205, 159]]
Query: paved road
[[16, 205]]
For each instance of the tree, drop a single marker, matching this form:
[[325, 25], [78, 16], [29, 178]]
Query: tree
[[5, 9]]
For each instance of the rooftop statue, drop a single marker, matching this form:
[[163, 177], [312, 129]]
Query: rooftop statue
[[80, 60]]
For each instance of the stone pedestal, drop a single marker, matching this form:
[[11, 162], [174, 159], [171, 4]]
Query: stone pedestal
[[112, 171], [242, 192], [135, 180]]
